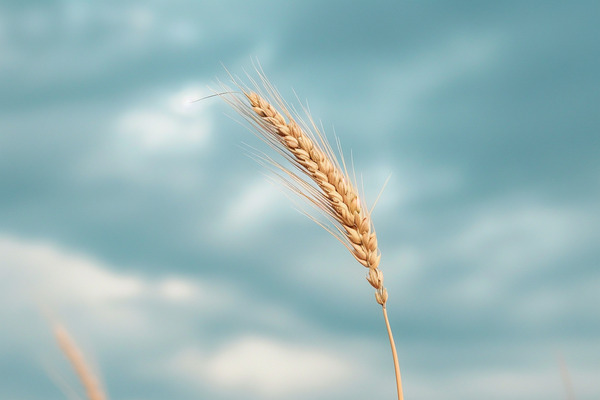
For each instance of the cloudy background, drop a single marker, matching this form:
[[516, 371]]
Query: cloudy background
[[140, 223]]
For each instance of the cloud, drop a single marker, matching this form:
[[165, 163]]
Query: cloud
[[519, 233], [172, 125], [254, 206], [470, 104], [266, 367], [39, 277], [42, 269], [154, 318], [409, 184], [176, 289], [159, 141]]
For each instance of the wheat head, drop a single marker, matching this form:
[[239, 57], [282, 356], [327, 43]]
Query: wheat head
[[333, 191]]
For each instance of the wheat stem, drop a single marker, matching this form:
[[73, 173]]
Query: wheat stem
[[394, 354]]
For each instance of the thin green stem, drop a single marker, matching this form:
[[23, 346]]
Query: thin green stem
[[394, 355]]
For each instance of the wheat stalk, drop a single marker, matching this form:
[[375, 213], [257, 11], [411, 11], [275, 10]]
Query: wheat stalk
[[331, 191], [71, 351]]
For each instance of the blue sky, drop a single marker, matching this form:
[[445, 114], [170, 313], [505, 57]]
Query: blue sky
[[140, 223]]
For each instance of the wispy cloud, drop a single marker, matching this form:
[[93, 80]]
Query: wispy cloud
[[264, 367]]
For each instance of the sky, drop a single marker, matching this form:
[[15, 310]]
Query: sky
[[138, 221]]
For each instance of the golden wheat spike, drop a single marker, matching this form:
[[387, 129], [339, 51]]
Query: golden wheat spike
[[319, 178]]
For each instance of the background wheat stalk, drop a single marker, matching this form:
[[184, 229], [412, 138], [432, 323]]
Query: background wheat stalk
[[328, 187], [88, 379]]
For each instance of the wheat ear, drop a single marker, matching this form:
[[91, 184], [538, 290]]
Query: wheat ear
[[71, 351], [332, 191]]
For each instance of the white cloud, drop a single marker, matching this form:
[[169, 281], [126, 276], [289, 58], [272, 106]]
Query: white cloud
[[39, 279], [42, 269], [123, 312], [172, 125], [251, 208], [489, 385], [42, 277], [176, 289], [495, 248], [266, 367], [512, 382], [408, 184], [506, 237], [156, 142], [518, 235], [156, 130]]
